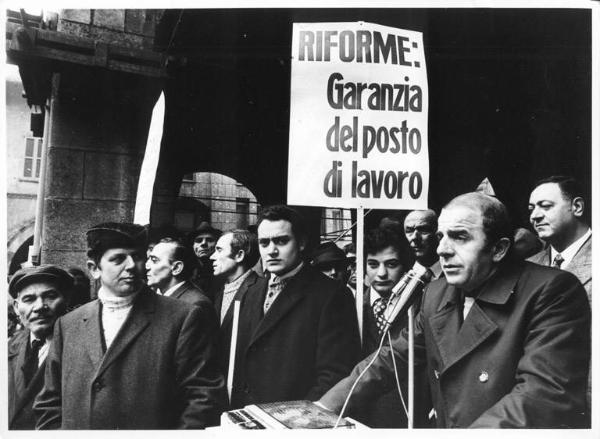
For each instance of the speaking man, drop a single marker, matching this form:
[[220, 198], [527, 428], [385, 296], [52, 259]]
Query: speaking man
[[505, 343], [420, 227], [557, 213], [236, 252], [298, 330], [131, 359], [169, 268], [40, 295]]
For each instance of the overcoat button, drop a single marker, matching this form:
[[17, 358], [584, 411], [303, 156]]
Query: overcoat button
[[483, 376]]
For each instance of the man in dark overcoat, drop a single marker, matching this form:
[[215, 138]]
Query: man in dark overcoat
[[131, 359], [40, 295], [298, 331], [505, 343]]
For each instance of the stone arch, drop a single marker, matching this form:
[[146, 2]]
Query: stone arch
[[18, 245]]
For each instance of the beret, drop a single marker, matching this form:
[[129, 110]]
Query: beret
[[42, 273]]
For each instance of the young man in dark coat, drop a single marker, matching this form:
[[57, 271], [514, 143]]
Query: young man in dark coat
[[131, 359], [40, 296], [298, 330], [505, 343]]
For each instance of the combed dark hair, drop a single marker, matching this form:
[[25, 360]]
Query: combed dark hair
[[568, 185], [570, 188], [380, 238], [281, 212], [246, 241], [497, 223], [184, 253]]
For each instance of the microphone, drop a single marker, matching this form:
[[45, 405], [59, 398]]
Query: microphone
[[405, 292]]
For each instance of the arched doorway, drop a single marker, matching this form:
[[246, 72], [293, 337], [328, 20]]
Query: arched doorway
[[221, 200]]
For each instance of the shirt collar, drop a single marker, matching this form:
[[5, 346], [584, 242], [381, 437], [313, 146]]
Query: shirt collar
[[436, 269], [569, 253], [287, 275], [171, 290], [373, 296]]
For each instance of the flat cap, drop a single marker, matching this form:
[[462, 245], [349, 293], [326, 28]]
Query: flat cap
[[205, 227], [42, 273], [113, 235], [327, 252]]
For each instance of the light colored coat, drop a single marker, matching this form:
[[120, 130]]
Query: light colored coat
[[160, 371], [580, 265]]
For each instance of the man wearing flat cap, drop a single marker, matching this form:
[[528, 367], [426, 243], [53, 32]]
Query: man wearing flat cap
[[203, 240], [131, 359], [330, 260], [40, 296]]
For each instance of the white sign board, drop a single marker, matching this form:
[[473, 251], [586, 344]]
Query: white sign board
[[358, 117]]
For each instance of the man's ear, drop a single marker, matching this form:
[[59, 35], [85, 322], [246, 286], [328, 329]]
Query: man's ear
[[577, 206], [239, 256], [176, 268], [94, 269], [500, 249]]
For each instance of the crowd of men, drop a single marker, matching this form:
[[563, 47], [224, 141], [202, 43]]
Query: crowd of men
[[498, 341]]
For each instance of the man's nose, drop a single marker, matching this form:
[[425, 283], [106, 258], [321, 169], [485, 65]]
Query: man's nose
[[39, 303], [535, 214], [382, 271], [444, 248], [129, 262], [271, 248]]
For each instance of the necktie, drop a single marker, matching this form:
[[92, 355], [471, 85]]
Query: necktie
[[31, 361], [275, 287], [558, 260], [378, 309]]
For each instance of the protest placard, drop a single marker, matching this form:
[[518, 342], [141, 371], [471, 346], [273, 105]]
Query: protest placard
[[358, 117]]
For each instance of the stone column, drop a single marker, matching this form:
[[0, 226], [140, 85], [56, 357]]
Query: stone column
[[99, 127]]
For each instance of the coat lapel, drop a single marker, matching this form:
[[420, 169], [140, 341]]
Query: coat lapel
[[16, 355], [31, 391], [456, 341], [287, 299], [581, 263], [445, 324], [139, 318], [91, 334]]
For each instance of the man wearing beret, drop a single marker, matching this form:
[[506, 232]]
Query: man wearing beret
[[40, 296], [131, 359]]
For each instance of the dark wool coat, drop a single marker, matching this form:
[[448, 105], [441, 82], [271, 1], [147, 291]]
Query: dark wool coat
[[224, 344], [160, 372], [520, 359], [190, 292], [21, 396], [307, 341]]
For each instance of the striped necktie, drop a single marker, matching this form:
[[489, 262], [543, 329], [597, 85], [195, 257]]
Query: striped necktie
[[558, 260]]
